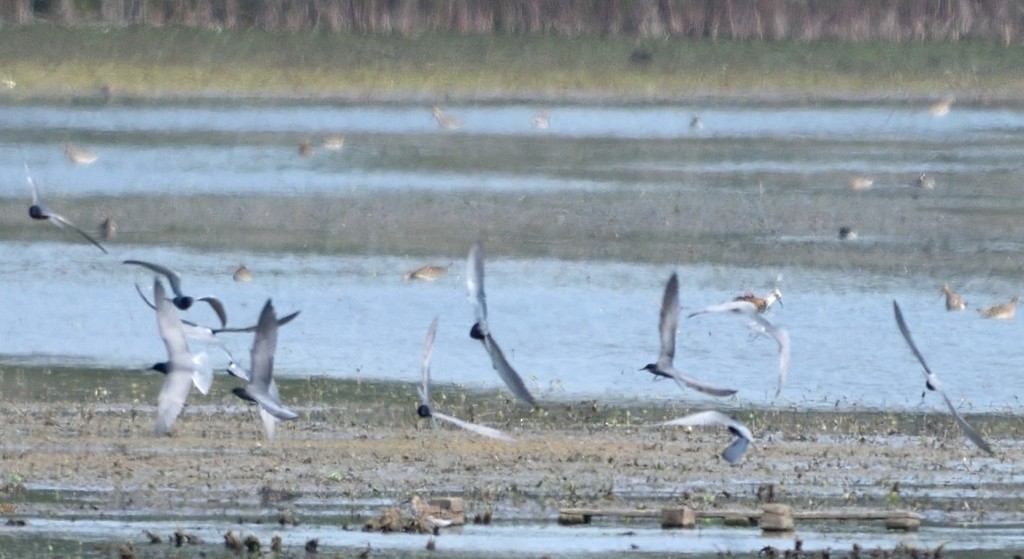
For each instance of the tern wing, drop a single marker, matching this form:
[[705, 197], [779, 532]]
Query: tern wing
[[475, 283], [202, 372], [269, 423], [740, 307], [668, 322], [428, 347], [735, 451], [172, 398], [32, 186], [59, 219], [261, 365], [506, 372], [473, 427], [171, 330], [690, 382], [172, 277], [711, 418], [973, 435], [910, 340], [217, 307], [280, 322]]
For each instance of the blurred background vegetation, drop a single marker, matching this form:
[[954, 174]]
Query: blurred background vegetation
[[769, 20]]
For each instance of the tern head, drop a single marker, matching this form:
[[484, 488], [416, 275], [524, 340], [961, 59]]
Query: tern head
[[241, 393], [651, 368], [35, 212], [183, 302], [423, 411], [162, 367], [476, 332]]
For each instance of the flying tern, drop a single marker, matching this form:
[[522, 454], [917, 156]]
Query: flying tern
[[732, 453], [38, 211], [181, 300], [669, 320]]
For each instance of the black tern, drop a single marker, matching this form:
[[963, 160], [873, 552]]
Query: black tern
[[760, 325], [481, 331], [667, 324], [732, 453], [38, 211], [424, 409], [932, 382], [181, 300], [261, 387], [181, 368], [208, 335]]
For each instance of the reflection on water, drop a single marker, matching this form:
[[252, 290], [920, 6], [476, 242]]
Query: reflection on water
[[573, 329]]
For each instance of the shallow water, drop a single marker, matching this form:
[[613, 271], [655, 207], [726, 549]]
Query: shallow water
[[576, 329]]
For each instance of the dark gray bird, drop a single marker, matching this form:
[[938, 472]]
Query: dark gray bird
[[261, 387], [760, 325], [424, 409], [182, 301], [732, 453], [932, 383], [181, 368], [481, 331], [669, 320], [38, 211]]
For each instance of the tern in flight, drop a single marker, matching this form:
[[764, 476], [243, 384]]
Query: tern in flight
[[732, 453], [181, 300], [261, 387], [181, 368], [38, 211], [760, 325], [424, 409], [932, 382], [481, 331], [669, 320]]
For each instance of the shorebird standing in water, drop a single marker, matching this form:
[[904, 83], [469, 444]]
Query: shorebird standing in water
[[242, 274], [941, 108], [79, 156], [861, 182], [481, 331], [667, 323], [923, 181], [696, 123], [425, 410], [38, 211], [334, 143], [762, 304], [932, 383], [732, 453], [760, 325], [1004, 311], [429, 272], [541, 121], [182, 301], [444, 121], [954, 302]]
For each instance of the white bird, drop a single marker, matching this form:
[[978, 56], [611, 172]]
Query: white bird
[[424, 409], [760, 325], [481, 331], [181, 368], [182, 301], [932, 382], [261, 387], [38, 211], [732, 453], [669, 320]]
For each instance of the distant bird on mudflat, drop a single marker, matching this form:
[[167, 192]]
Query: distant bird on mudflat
[[79, 156], [334, 143], [261, 387], [732, 453], [541, 121], [923, 181], [1005, 311], [444, 121], [38, 211], [424, 409], [108, 227], [761, 303], [481, 330], [182, 301], [932, 383], [242, 274], [954, 302], [696, 123], [847, 234], [430, 272], [182, 368], [305, 148], [942, 107], [861, 182], [760, 325], [667, 324]]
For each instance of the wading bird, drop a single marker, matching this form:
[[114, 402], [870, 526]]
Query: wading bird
[[1005, 311], [954, 302]]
